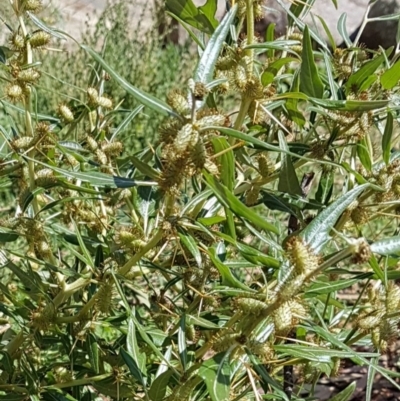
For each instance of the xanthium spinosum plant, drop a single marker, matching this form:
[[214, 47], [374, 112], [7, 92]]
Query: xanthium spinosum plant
[[212, 264]]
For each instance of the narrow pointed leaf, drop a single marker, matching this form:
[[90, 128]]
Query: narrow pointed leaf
[[228, 199], [328, 32], [159, 386], [310, 81], [93, 352], [346, 394], [190, 243], [143, 97], [356, 80], [387, 138], [216, 373], [391, 77], [341, 27], [288, 182], [125, 123], [135, 360], [205, 68], [190, 14], [349, 105], [316, 234], [387, 246], [95, 178], [364, 154], [228, 278], [182, 342]]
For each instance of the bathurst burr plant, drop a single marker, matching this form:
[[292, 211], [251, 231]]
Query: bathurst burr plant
[[244, 253]]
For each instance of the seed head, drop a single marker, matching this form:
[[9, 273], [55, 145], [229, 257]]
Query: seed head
[[177, 100], [15, 92], [186, 137], [39, 39], [263, 165], [252, 195], [17, 41], [301, 256], [105, 298], [250, 306], [282, 318], [112, 148], [105, 102], [392, 300], [33, 6], [31, 76], [258, 12], [22, 143], [257, 113], [200, 91], [93, 96], [101, 156], [369, 321], [65, 113]]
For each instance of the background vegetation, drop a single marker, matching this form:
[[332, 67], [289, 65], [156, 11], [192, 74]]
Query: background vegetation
[[166, 238]]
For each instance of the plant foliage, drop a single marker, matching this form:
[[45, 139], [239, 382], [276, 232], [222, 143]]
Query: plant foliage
[[211, 263]]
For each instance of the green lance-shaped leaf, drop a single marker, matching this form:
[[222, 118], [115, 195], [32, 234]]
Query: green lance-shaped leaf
[[7, 235], [341, 27], [300, 10], [310, 81], [135, 360], [229, 200], [227, 162], [216, 373], [269, 74], [143, 97], [387, 138], [317, 232], [228, 278], [346, 394], [159, 386], [356, 80], [327, 287], [387, 246], [363, 152], [183, 354], [95, 178], [291, 104], [93, 352], [391, 77], [201, 18], [349, 105], [190, 243], [205, 68], [288, 181]]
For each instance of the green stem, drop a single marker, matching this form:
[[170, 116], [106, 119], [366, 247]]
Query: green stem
[[250, 31], [136, 258], [244, 107], [79, 382], [28, 117], [12, 387], [201, 351]]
